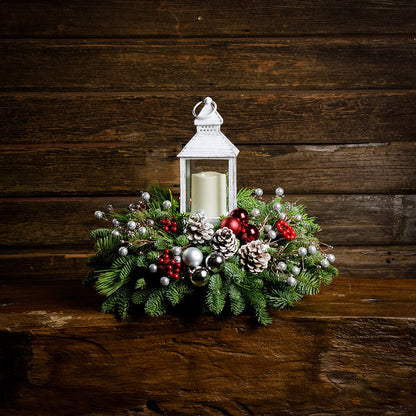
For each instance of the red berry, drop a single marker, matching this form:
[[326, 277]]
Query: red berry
[[174, 229], [166, 228], [166, 251], [176, 276], [174, 223], [170, 273], [169, 267]]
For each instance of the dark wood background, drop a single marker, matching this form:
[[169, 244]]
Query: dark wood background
[[319, 96]]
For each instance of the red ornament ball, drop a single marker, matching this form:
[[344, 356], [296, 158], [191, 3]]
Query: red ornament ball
[[251, 233], [232, 223], [241, 215]]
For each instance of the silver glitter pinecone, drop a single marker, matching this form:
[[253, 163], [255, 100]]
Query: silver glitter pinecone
[[199, 230], [224, 242], [254, 256]]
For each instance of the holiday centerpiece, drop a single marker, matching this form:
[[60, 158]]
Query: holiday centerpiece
[[213, 247]]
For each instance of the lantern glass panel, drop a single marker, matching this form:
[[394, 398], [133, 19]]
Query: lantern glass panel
[[207, 185]]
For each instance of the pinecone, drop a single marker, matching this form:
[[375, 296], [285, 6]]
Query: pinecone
[[254, 256], [198, 230], [224, 242]]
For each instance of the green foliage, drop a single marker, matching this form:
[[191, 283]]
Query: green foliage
[[128, 285]]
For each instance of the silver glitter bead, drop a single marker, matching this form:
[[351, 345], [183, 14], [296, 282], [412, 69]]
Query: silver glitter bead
[[152, 268], [166, 204], [116, 222], [99, 215], [312, 249], [324, 263], [255, 212], [279, 191], [132, 207], [123, 251], [282, 216], [302, 251], [272, 234], [176, 251], [277, 206], [298, 217], [192, 257], [116, 233], [331, 258], [146, 196], [178, 259], [259, 192], [267, 228], [282, 265], [296, 270], [291, 281], [142, 230], [131, 225], [164, 281], [150, 222]]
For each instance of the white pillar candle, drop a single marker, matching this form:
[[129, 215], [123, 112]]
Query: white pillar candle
[[209, 193]]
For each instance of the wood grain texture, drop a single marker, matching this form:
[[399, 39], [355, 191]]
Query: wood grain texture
[[345, 219], [348, 350], [304, 117], [115, 169], [207, 65], [111, 18]]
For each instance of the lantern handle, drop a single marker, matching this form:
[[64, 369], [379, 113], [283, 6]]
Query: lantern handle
[[207, 101]]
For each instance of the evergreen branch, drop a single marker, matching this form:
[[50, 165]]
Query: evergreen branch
[[215, 297]]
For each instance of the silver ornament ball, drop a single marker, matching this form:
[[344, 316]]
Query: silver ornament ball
[[214, 261], [146, 196], [296, 270], [142, 230], [99, 215], [116, 233], [331, 258], [131, 225], [282, 265], [199, 277], [255, 212], [282, 216], [312, 249], [279, 191], [116, 222], [324, 263], [152, 268], [166, 204], [164, 281], [298, 217], [123, 251], [192, 257], [259, 192], [302, 251], [291, 281], [176, 251]]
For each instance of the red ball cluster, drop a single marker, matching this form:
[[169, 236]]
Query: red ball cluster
[[286, 230], [237, 222], [169, 265], [169, 224]]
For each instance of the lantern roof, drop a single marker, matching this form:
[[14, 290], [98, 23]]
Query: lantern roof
[[209, 141]]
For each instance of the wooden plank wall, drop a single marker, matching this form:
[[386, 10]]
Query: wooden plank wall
[[96, 101]]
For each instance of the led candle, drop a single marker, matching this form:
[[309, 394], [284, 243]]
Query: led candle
[[209, 193]]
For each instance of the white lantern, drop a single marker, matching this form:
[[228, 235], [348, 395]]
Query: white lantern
[[208, 167]]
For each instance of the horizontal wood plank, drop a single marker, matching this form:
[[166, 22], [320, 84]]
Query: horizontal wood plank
[[207, 65], [95, 169], [346, 219], [134, 18], [349, 349], [379, 262], [249, 118]]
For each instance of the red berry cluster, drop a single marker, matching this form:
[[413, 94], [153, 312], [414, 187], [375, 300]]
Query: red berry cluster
[[169, 224], [169, 265], [286, 230]]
